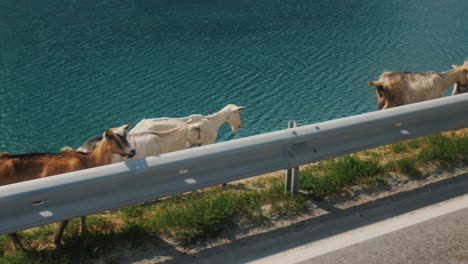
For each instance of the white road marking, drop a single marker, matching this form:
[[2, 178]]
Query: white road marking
[[362, 234]]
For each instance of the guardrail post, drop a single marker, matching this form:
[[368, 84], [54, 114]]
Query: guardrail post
[[292, 174]]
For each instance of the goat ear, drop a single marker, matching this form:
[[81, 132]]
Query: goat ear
[[241, 107], [374, 83]]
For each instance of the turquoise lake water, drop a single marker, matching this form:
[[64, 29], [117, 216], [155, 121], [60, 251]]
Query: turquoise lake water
[[70, 69]]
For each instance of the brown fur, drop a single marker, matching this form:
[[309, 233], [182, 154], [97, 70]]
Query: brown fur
[[28, 166], [400, 88]]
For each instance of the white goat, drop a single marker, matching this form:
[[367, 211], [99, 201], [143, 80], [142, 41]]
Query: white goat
[[151, 143], [209, 124]]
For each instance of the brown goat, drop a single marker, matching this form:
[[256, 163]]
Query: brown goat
[[28, 166], [401, 88]]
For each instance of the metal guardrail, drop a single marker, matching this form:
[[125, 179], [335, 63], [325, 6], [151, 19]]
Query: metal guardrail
[[44, 201]]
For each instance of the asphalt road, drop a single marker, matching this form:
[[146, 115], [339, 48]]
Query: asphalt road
[[425, 225], [440, 240]]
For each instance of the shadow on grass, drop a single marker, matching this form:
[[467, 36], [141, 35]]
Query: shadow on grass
[[84, 248], [338, 221]]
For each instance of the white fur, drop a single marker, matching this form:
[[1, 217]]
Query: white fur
[[119, 131], [209, 124], [155, 143]]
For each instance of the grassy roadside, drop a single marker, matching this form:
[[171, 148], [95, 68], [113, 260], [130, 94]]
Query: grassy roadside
[[207, 213]]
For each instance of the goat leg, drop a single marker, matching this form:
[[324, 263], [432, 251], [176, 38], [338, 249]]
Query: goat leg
[[83, 228], [15, 242], [58, 235]]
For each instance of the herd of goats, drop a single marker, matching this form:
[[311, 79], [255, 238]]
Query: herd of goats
[[162, 135]]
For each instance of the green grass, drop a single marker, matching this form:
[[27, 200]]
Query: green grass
[[79, 249], [204, 215], [207, 213], [407, 166], [415, 143], [134, 213], [201, 216], [439, 150], [399, 147], [282, 203], [444, 151], [371, 154], [335, 176]]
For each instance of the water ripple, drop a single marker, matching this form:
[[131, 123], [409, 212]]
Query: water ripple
[[68, 75]]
